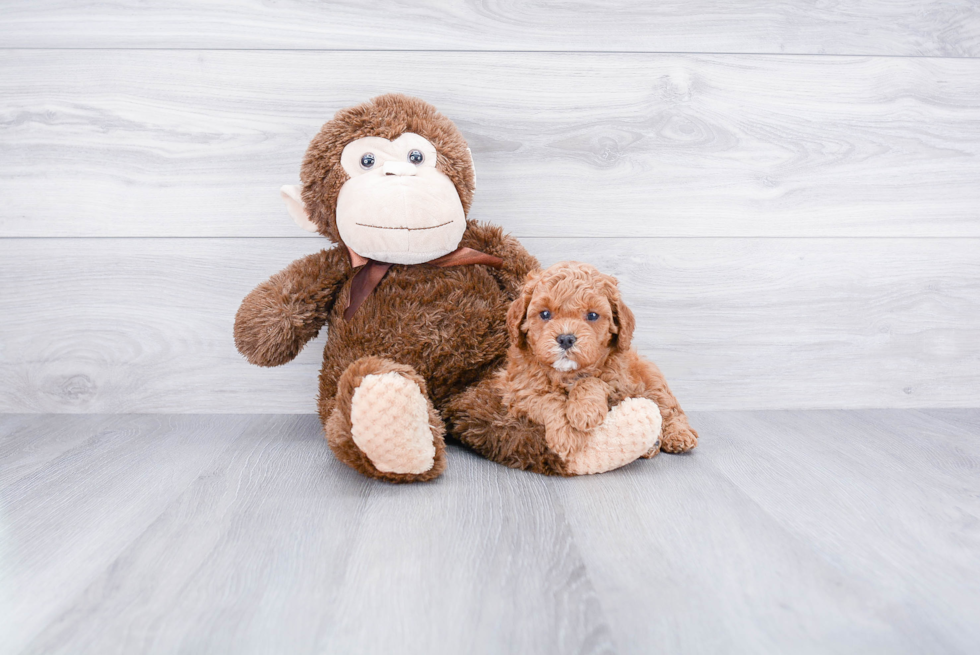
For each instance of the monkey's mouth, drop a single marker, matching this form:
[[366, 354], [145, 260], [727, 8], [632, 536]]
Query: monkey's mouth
[[409, 229]]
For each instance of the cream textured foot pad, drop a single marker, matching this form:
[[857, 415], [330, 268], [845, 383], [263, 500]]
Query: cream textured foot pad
[[390, 424], [630, 430]]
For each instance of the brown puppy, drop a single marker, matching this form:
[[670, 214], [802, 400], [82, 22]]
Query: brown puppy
[[574, 396]]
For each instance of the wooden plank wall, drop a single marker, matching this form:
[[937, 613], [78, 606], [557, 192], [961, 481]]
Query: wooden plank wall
[[790, 194]]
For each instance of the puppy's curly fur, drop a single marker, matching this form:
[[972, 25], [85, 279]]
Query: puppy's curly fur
[[540, 409]]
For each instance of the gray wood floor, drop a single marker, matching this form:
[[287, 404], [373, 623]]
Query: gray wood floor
[[792, 531]]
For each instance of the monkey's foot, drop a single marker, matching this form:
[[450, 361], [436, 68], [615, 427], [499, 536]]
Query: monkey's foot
[[390, 424], [631, 430]]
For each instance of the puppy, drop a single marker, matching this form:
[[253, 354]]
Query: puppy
[[574, 396]]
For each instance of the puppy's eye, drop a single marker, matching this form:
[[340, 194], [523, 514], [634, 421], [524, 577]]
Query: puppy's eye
[[416, 157], [545, 315], [592, 316], [367, 160]]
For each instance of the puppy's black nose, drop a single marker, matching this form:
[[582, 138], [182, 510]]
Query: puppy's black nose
[[565, 341]]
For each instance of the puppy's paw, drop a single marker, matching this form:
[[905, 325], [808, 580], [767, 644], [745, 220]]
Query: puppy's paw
[[586, 415], [678, 438], [587, 405]]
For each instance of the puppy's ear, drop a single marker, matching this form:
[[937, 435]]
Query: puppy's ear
[[623, 318], [518, 311]]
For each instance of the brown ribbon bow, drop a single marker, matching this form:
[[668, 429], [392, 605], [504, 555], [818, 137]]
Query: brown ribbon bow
[[372, 272]]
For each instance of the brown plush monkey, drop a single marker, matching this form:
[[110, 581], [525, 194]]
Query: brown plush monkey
[[414, 295]]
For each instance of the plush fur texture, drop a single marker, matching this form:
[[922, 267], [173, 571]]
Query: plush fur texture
[[392, 403], [542, 408], [443, 328], [388, 116], [629, 431], [338, 428]]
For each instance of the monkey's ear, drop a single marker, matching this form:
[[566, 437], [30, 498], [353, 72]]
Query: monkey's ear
[[292, 195], [473, 166]]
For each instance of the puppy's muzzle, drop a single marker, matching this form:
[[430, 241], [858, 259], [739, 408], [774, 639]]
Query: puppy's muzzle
[[566, 341]]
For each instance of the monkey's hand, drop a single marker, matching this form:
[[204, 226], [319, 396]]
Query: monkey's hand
[[587, 403], [283, 313]]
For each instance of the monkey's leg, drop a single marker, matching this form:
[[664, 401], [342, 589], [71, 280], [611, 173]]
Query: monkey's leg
[[479, 419], [630, 430], [383, 424]]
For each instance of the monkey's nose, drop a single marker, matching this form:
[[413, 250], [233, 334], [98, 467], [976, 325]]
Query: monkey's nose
[[399, 168], [565, 341]]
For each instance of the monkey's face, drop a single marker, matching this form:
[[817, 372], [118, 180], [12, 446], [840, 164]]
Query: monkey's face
[[397, 206]]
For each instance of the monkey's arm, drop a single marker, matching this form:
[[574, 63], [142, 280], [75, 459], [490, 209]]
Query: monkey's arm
[[283, 313], [517, 261]]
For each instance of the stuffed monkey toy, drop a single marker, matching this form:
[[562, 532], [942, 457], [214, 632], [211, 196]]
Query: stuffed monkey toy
[[414, 295]]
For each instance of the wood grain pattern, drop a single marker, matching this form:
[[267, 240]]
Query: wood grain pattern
[[144, 325], [819, 531], [174, 143], [482, 532], [717, 573], [78, 513], [304, 555], [792, 532], [922, 484], [901, 27], [22, 452]]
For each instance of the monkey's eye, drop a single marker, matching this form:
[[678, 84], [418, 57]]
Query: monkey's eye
[[367, 160], [416, 157], [545, 315], [592, 316]]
